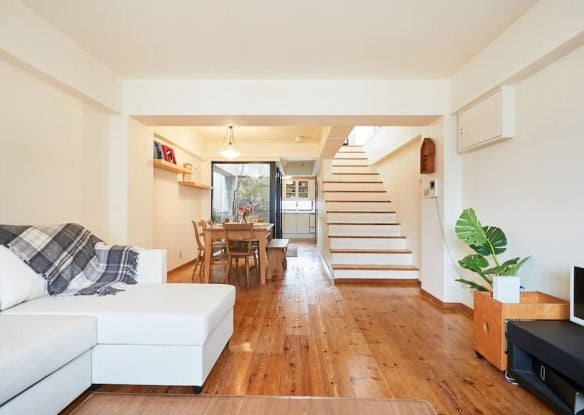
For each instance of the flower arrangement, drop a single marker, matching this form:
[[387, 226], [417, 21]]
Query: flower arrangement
[[245, 212]]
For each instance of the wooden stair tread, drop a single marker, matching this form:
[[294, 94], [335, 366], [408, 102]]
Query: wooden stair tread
[[360, 211], [366, 223], [355, 182], [354, 191], [367, 237], [368, 251], [350, 158], [374, 267], [359, 201], [350, 165], [358, 174]]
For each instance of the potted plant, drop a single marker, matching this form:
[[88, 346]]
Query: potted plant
[[487, 242]]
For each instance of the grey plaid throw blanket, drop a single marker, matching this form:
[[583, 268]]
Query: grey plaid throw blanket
[[72, 259]]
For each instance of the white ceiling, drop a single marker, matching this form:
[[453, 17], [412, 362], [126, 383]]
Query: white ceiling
[[282, 39], [263, 134]]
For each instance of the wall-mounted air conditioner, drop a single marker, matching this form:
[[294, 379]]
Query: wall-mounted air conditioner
[[487, 120]]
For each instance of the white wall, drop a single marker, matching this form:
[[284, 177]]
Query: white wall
[[140, 187], [174, 206], [547, 31], [322, 230], [285, 97], [531, 185], [400, 172], [30, 42], [438, 215], [54, 165], [267, 151], [388, 140]]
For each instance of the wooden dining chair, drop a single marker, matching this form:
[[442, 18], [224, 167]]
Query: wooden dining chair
[[217, 250], [239, 244]]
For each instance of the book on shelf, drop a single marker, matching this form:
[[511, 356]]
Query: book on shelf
[[158, 154]]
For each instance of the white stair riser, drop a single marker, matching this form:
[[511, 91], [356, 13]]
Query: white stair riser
[[353, 186], [368, 243], [353, 169], [356, 177], [361, 197], [359, 206], [361, 217], [343, 162], [365, 230], [375, 274], [346, 149], [372, 259], [340, 156]]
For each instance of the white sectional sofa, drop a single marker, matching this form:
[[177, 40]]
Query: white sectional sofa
[[152, 333]]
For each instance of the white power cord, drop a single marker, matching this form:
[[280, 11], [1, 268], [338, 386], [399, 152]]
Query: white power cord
[[454, 263], [510, 380]]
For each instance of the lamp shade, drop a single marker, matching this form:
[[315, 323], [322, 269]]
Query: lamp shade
[[229, 151]]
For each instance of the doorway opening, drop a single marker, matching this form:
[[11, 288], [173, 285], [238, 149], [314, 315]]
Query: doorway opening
[[249, 189]]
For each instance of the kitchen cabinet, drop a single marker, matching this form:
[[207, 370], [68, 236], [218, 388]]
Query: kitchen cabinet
[[298, 189], [298, 225]]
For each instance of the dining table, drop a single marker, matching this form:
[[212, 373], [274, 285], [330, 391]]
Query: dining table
[[261, 232]]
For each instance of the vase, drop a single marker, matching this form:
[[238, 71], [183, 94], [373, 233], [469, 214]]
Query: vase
[[506, 289]]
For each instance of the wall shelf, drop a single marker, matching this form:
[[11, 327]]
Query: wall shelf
[[165, 165], [195, 185]]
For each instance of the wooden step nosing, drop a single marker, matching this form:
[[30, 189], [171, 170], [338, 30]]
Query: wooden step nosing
[[364, 267], [356, 174], [365, 224], [354, 191], [367, 236], [370, 251], [359, 201], [353, 182], [361, 211]]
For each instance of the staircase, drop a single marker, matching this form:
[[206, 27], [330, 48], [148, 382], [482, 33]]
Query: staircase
[[364, 234]]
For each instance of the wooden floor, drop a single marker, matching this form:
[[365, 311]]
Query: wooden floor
[[141, 404], [304, 336]]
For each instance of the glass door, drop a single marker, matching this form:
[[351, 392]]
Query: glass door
[[245, 191]]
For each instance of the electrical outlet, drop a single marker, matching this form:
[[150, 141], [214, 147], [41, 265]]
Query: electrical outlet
[[431, 189]]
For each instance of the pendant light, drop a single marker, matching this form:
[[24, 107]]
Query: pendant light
[[229, 151]]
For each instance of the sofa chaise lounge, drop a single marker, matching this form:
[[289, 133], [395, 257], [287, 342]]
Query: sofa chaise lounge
[[152, 333]]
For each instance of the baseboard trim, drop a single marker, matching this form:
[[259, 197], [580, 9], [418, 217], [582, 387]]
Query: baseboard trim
[[446, 306], [325, 266], [185, 265], [394, 282]]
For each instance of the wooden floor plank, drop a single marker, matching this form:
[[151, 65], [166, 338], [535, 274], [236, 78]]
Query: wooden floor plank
[[303, 335]]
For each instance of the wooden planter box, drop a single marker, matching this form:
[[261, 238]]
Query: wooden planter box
[[490, 316]]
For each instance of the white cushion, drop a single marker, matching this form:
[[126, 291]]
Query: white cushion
[[151, 265], [18, 282], [33, 347], [151, 314]]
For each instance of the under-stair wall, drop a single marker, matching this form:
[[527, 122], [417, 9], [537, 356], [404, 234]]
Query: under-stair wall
[[365, 239]]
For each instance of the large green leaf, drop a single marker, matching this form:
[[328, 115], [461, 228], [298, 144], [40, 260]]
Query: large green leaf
[[474, 263], [469, 229], [496, 238], [508, 268], [483, 250], [472, 284]]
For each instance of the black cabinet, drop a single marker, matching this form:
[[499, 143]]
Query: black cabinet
[[547, 358]]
